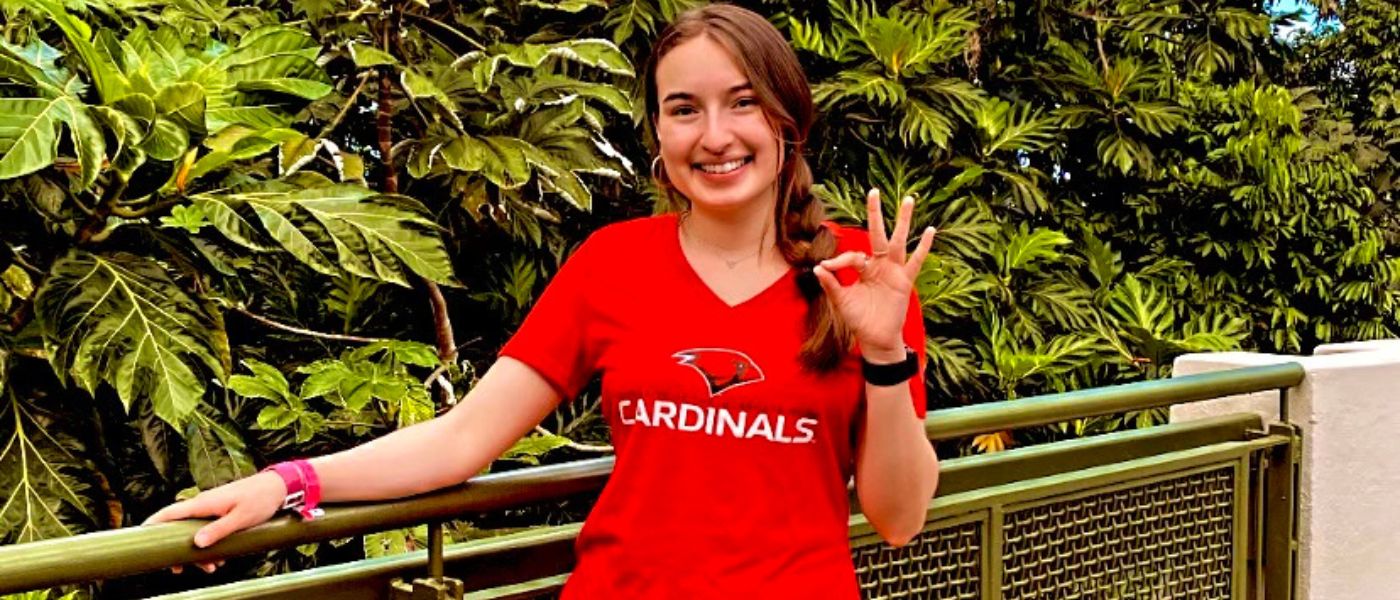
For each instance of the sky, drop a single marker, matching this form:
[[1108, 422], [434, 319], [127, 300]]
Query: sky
[[1308, 22]]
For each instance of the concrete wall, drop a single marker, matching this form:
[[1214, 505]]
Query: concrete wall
[[1348, 408]]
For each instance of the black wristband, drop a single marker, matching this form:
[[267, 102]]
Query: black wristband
[[891, 374]]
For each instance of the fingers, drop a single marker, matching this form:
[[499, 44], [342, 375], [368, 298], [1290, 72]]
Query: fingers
[[828, 281], [219, 529], [916, 260], [900, 239], [175, 512], [207, 567], [876, 218], [201, 506], [846, 260], [207, 535]]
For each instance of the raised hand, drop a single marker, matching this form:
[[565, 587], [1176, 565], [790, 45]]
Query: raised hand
[[874, 306]]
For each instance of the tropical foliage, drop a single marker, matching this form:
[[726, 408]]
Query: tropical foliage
[[235, 232]]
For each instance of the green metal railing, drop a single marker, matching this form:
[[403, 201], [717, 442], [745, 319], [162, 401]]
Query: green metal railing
[[1202, 509]]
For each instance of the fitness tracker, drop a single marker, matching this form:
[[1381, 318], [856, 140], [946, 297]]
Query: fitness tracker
[[893, 373]]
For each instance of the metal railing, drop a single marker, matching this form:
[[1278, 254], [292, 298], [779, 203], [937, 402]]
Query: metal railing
[[1202, 509]]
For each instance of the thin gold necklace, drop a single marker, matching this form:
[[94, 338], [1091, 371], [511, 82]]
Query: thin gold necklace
[[716, 250]]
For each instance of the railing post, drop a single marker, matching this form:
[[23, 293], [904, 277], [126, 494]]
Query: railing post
[[1280, 553], [435, 550], [436, 586]]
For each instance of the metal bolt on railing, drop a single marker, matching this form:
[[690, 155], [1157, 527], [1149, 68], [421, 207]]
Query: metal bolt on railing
[[436, 586]]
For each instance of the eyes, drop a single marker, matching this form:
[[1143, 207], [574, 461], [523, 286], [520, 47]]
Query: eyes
[[741, 104]]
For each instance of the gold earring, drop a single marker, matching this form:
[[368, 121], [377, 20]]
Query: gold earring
[[658, 171]]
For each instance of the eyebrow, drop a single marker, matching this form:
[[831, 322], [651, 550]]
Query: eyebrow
[[743, 87]]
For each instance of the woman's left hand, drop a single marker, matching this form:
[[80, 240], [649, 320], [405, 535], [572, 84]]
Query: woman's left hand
[[874, 306]]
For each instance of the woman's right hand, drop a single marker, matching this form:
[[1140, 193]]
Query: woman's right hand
[[235, 506]]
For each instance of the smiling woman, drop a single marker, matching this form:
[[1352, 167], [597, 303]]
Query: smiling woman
[[716, 141], [744, 383]]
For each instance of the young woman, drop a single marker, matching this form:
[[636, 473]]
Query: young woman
[[753, 358]]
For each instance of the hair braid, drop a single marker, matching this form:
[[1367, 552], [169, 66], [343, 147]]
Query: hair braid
[[804, 241]]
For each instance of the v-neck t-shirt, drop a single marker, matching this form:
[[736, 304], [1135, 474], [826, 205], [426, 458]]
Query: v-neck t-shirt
[[731, 459]]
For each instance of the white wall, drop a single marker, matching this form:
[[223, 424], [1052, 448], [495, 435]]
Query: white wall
[[1348, 409]]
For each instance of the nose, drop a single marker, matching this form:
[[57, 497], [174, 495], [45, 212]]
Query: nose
[[718, 133]]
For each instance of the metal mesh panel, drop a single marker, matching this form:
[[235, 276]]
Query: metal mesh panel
[[944, 563], [1169, 539]]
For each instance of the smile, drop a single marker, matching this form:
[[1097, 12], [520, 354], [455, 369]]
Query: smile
[[724, 167]]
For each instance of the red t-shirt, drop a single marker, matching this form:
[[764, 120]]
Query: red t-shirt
[[732, 461]]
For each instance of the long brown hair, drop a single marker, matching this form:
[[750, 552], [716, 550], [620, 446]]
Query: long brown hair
[[782, 90]]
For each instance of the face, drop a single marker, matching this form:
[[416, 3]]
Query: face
[[717, 144]]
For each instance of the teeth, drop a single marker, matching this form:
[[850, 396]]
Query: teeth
[[723, 168]]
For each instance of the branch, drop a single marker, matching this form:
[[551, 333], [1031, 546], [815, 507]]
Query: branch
[[446, 341], [349, 102], [306, 332], [384, 121], [446, 27], [126, 212], [442, 368], [87, 210], [19, 260]]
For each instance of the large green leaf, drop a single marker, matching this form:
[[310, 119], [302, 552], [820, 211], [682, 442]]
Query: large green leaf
[[103, 70], [554, 89], [183, 103], [1014, 364], [949, 289], [1027, 249], [369, 56], [863, 84], [952, 361], [529, 449], [505, 161], [922, 124], [18, 70], [1140, 306], [375, 371], [217, 453], [266, 383], [120, 319], [29, 135], [167, 140], [1013, 128], [371, 235], [42, 495], [275, 59], [296, 86], [597, 53]]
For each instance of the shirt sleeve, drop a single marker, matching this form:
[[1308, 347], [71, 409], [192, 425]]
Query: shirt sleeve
[[853, 239], [555, 339]]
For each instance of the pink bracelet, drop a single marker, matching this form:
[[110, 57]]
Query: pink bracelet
[[303, 488]]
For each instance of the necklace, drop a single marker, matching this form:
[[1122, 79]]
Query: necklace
[[716, 250]]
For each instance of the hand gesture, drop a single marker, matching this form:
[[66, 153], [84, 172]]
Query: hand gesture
[[237, 505], [874, 306]]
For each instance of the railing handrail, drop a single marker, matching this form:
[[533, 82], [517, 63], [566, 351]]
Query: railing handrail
[[120, 552], [1055, 408]]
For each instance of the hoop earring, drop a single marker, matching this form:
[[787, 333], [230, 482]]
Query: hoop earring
[[658, 172]]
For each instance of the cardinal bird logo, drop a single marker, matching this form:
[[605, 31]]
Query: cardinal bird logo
[[723, 369]]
